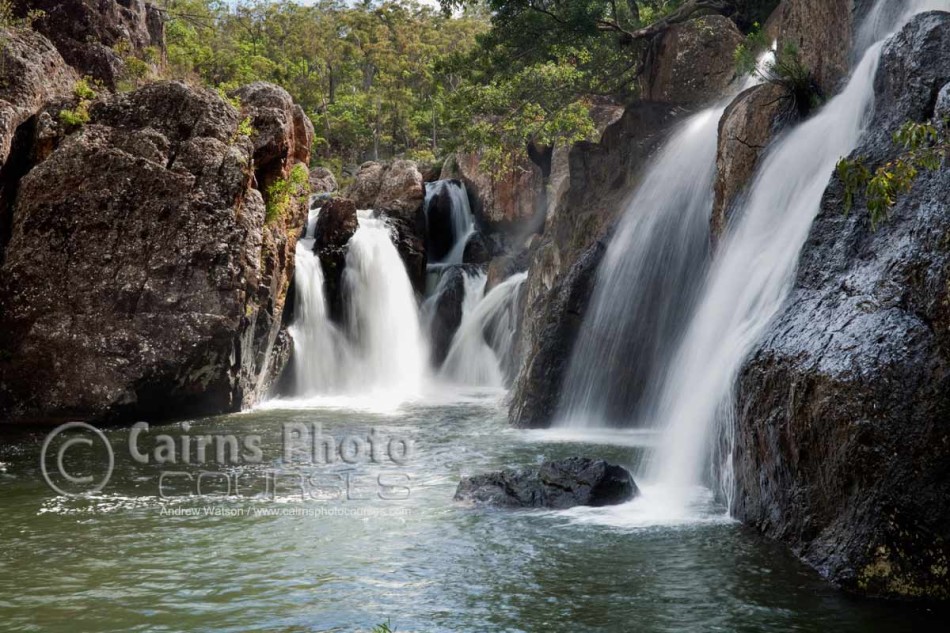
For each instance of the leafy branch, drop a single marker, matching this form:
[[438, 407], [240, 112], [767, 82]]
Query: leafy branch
[[925, 148]]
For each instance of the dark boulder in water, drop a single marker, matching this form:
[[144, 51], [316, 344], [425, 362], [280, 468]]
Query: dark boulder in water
[[577, 481], [445, 312], [336, 224]]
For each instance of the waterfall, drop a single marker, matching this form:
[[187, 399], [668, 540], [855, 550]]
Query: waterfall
[[319, 346], [380, 350], [647, 282], [449, 221], [483, 349], [382, 315], [748, 284]]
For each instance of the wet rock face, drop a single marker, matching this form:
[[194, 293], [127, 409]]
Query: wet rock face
[[559, 484], [87, 31], [141, 281], [565, 257], [511, 202], [440, 237], [409, 237], [747, 127], [694, 63], [446, 312], [336, 224], [843, 422]]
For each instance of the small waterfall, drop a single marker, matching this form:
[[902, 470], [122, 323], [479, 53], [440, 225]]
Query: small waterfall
[[381, 349], [483, 349], [382, 316], [750, 281], [319, 345], [449, 221]]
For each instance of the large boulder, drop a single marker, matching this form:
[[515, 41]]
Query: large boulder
[[87, 32], [401, 190], [141, 280], [336, 224], [409, 237], [565, 257], [844, 408], [822, 31], [694, 62], [747, 127], [322, 181], [283, 134], [366, 185], [562, 484], [32, 73]]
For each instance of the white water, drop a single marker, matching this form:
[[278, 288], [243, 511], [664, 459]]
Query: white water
[[460, 216], [482, 349], [382, 317], [381, 353], [750, 282], [319, 347], [647, 282]]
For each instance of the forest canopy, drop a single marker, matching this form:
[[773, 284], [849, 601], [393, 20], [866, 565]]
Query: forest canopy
[[398, 78]]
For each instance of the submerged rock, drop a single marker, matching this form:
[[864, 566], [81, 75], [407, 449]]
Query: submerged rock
[[843, 412], [577, 481]]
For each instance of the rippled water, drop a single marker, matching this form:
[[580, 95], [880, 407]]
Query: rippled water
[[121, 561]]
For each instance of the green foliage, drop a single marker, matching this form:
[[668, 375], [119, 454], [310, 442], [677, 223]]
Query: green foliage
[[246, 128], [79, 115], [8, 18], [84, 89], [75, 117], [924, 147], [283, 194], [747, 53], [365, 73], [383, 628]]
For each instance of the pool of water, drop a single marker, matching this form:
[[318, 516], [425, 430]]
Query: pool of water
[[296, 554]]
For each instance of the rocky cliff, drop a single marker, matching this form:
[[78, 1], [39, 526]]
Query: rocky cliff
[[142, 279], [843, 426], [98, 37]]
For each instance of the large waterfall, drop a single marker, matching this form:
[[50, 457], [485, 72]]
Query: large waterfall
[[645, 285], [647, 282], [750, 281]]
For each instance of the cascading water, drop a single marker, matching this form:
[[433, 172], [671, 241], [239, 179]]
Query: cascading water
[[482, 351], [648, 280], [382, 316], [750, 281], [320, 346], [448, 214], [381, 351]]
